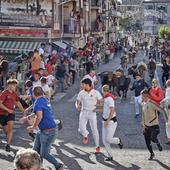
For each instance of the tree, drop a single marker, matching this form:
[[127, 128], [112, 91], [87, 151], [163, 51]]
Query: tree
[[164, 32]]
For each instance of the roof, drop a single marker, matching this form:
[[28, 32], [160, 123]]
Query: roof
[[156, 1]]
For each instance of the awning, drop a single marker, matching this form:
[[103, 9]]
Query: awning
[[60, 44], [18, 47]]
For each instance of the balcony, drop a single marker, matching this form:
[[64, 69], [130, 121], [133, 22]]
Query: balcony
[[25, 20], [71, 28]]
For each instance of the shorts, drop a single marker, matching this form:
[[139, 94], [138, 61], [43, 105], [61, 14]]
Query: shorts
[[4, 119]]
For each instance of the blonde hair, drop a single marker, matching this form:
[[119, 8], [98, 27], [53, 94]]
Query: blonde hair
[[12, 81], [105, 88]]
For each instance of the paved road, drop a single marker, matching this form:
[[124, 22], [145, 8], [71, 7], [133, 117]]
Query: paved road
[[68, 147]]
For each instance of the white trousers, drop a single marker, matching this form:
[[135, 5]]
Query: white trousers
[[138, 101], [168, 131], [107, 136], [90, 116]]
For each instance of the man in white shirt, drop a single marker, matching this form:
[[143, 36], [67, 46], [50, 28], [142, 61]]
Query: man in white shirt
[[109, 123], [86, 103], [36, 81], [92, 77], [45, 87]]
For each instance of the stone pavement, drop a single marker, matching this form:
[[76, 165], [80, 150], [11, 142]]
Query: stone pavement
[[68, 148]]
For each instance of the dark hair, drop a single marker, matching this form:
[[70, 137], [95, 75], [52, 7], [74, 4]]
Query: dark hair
[[37, 72], [43, 80], [40, 69], [87, 81], [28, 83], [38, 91]]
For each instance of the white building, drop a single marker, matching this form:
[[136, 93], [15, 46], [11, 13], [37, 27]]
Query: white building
[[156, 13]]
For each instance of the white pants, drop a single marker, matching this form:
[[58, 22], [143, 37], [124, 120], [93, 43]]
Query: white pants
[[107, 136], [168, 131], [90, 116], [138, 101]]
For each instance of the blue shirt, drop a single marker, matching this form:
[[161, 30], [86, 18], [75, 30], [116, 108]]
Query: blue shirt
[[30, 93], [138, 86], [47, 121]]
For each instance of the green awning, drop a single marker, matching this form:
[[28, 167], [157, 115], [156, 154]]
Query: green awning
[[18, 47]]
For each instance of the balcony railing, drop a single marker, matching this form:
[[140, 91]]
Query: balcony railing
[[25, 20]]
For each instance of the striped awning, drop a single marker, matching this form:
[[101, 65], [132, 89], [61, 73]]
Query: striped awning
[[18, 47]]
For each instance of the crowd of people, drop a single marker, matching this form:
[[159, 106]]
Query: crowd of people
[[40, 76]]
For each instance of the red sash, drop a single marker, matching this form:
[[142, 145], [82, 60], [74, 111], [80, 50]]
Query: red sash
[[110, 95]]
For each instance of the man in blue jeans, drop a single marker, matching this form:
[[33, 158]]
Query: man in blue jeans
[[47, 127]]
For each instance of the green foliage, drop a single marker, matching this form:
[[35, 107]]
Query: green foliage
[[164, 32], [126, 22]]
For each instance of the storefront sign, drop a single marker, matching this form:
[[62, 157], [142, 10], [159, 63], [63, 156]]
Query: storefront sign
[[42, 33]]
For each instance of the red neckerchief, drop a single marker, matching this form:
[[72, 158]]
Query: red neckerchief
[[110, 95]]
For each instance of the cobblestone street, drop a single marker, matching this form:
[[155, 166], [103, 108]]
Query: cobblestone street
[[68, 148]]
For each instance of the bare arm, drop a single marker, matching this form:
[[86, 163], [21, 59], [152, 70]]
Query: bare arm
[[19, 105], [37, 119], [78, 105]]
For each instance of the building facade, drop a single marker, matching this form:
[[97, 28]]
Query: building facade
[[25, 22], [156, 14]]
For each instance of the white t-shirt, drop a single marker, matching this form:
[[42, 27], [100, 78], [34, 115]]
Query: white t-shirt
[[93, 79], [41, 51], [46, 88], [36, 83], [50, 79], [108, 102], [89, 99]]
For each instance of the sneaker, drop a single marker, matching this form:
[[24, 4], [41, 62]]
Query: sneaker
[[151, 156], [109, 159], [60, 124], [61, 167], [136, 116], [159, 147], [120, 144], [7, 148], [32, 135], [97, 150], [85, 140]]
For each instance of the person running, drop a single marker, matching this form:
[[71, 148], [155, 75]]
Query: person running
[[166, 104], [138, 85], [109, 123], [92, 77], [156, 93], [8, 103], [86, 104], [150, 122], [47, 127]]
